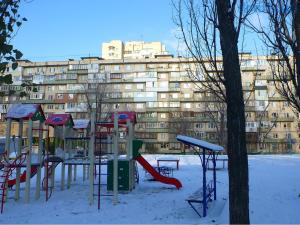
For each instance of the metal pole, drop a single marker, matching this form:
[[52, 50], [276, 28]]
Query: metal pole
[[18, 170], [28, 162], [70, 167], [63, 167], [7, 148], [85, 145], [8, 133], [204, 182], [92, 156], [40, 151], [215, 177], [115, 161]]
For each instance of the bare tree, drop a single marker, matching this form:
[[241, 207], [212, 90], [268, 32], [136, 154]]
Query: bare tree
[[279, 28], [97, 95], [211, 29], [217, 114]]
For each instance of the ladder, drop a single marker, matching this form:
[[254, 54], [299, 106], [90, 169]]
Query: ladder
[[6, 169], [50, 167], [98, 174]]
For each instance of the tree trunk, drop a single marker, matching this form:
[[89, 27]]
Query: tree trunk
[[296, 16], [236, 146]]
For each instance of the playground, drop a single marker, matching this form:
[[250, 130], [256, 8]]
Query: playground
[[153, 202], [94, 172]]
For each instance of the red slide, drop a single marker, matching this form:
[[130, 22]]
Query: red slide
[[157, 176], [12, 182]]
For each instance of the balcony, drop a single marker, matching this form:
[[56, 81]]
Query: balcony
[[72, 81], [276, 98], [120, 100], [250, 108], [165, 109], [276, 140], [175, 89], [36, 101], [282, 119], [146, 119]]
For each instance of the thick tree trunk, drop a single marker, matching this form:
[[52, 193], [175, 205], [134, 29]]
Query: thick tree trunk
[[296, 23], [236, 146]]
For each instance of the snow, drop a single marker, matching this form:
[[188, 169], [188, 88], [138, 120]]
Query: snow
[[274, 197], [199, 143], [18, 111]]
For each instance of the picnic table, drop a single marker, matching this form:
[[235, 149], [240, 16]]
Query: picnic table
[[168, 159]]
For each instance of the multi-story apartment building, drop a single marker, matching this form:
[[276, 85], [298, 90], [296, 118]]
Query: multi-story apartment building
[[166, 101], [116, 49]]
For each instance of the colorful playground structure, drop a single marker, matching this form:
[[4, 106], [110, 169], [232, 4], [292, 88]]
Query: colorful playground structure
[[94, 145]]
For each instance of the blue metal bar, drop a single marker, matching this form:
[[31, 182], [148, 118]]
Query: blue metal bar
[[204, 183], [214, 176]]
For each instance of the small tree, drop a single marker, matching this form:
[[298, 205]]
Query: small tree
[[10, 21], [97, 95]]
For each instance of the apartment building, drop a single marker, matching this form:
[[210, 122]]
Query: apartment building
[[116, 49], [166, 101]]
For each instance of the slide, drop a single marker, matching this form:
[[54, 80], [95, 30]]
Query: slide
[[23, 176], [156, 175]]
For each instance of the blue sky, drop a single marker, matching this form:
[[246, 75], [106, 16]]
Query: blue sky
[[62, 29], [59, 29]]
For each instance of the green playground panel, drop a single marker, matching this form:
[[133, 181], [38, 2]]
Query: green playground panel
[[125, 169], [136, 145]]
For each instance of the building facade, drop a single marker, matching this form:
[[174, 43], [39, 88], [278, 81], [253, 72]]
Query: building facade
[[165, 99], [116, 49]]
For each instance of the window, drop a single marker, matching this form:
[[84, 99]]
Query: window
[[150, 94], [150, 84], [139, 105], [187, 105], [163, 84], [49, 106], [199, 125], [163, 104], [140, 86], [128, 86], [175, 95], [163, 115], [162, 76], [116, 67], [115, 76], [211, 125], [187, 95], [261, 103], [174, 104], [117, 86], [187, 85], [163, 95], [59, 96]]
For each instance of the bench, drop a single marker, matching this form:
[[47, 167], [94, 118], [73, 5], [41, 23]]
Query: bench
[[197, 196], [168, 159]]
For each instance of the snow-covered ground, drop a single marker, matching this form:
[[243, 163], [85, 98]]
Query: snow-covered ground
[[274, 197]]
